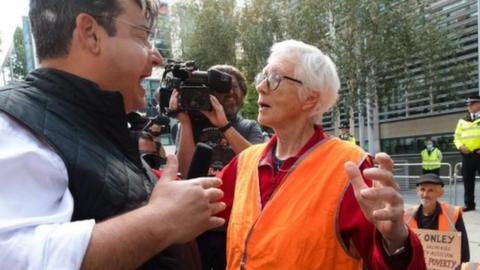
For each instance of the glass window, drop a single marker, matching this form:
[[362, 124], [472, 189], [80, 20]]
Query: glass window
[[414, 145]]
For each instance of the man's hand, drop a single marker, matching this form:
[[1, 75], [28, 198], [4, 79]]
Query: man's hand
[[189, 205], [182, 116], [217, 115], [382, 204], [464, 150]]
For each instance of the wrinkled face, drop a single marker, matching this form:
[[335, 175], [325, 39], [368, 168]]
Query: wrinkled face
[[474, 107], [428, 193], [129, 56], [232, 101], [279, 107]]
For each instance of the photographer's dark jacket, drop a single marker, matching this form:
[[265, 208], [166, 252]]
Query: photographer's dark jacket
[[87, 128], [205, 132]]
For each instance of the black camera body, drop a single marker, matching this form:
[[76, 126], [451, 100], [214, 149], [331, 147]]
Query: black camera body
[[194, 86]]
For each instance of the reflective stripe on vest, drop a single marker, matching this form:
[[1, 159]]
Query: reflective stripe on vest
[[447, 217], [298, 226], [468, 134], [431, 161]]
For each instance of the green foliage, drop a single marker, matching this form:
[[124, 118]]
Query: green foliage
[[18, 58], [310, 21], [163, 41], [385, 50], [209, 36], [250, 108], [261, 23]]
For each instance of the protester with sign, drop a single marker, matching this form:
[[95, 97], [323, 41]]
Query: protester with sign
[[435, 215]]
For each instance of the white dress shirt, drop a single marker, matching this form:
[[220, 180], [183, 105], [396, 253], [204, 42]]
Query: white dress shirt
[[36, 205]]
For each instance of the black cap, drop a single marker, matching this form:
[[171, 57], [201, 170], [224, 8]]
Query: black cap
[[344, 125], [430, 178], [472, 99]]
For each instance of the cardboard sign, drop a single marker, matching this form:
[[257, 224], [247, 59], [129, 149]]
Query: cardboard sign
[[441, 249]]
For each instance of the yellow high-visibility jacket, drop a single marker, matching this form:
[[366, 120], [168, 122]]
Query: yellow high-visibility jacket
[[431, 161], [348, 138], [467, 134]]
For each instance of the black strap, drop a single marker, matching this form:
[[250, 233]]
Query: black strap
[[226, 127]]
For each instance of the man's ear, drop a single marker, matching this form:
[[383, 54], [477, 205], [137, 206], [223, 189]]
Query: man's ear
[[87, 33], [311, 101]]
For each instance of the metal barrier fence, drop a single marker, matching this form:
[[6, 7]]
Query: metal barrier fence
[[452, 179], [457, 174], [457, 168]]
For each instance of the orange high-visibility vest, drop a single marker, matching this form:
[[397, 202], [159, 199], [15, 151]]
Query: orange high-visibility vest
[[446, 219], [298, 227], [470, 266]]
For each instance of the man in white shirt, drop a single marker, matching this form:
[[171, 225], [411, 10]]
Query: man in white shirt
[[74, 191]]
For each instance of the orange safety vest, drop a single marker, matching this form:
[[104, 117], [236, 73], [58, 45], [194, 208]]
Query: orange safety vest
[[446, 219], [470, 266], [298, 227]]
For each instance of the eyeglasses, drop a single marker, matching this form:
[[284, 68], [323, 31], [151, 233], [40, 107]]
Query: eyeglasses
[[152, 33], [273, 80]]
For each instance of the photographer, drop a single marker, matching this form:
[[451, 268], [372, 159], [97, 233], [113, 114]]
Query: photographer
[[228, 133], [223, 121]]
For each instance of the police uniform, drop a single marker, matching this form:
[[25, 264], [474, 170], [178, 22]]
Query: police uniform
[[347, 136], [431, 159], [467, 134]]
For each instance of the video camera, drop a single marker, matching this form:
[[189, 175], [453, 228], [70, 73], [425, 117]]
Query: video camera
[[194, 86], [153, 160]]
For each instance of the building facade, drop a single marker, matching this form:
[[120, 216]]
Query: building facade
[[402, 123]]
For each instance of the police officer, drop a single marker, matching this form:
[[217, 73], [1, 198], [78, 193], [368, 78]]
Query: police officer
[[431, 158], [345, 133], [467, 141]]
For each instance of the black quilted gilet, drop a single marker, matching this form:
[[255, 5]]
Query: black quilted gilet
[[87, 127]]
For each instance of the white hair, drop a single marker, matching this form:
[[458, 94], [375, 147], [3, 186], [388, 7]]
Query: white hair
[[315, 69]]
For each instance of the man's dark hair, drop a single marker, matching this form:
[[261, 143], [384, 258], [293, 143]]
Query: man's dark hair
[[234, 72], [53, 21]]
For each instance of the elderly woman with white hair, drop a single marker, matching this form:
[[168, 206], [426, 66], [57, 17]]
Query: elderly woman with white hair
[[300, 200]]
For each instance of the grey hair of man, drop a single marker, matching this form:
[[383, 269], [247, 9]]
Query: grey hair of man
[[315, 69], [53, 21]]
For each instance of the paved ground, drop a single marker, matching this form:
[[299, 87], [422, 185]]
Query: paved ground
[[472, 218]]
